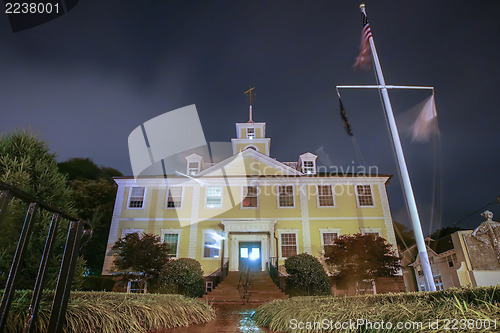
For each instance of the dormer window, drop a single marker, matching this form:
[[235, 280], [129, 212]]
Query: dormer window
[[193, 168], [250, 133], [308, 167]]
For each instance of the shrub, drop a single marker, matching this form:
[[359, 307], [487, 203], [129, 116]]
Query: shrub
[[98, 283], [306, 276], [181, 276]]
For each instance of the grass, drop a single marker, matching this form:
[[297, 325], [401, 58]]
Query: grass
[[474, 306], [109, 312]]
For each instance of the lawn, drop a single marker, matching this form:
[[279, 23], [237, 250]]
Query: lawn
[[108, 312], [459, 310]]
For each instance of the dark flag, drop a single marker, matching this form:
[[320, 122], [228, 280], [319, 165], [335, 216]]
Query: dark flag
[[343, 116], [363, 60], [30, 13]]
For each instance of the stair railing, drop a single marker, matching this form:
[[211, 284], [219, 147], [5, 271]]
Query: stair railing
[[243, 282]]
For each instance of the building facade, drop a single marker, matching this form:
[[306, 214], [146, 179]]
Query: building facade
[[250, 207], [464, 258]]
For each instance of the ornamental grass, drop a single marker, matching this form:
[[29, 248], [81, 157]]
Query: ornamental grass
[[479, 308], [109, 312]]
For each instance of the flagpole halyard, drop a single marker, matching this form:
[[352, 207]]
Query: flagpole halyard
[[407, 186]]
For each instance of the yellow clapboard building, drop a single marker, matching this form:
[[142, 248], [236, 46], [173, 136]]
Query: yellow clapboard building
[[250, 207]]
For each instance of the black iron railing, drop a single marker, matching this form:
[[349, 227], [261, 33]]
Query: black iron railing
[[220, 274], [79, 232], [278, 277], [243, 282]]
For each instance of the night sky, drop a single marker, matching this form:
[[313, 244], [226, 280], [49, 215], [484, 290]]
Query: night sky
[[84, 81]]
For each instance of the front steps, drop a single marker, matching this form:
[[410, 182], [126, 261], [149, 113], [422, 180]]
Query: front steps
[[261, 289]]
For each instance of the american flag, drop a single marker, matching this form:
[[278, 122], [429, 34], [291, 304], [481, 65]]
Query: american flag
[[363, 60]]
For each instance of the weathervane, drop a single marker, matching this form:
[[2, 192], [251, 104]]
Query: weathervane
[[251, 95]]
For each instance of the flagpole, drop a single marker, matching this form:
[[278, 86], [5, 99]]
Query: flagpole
[[408, 190]]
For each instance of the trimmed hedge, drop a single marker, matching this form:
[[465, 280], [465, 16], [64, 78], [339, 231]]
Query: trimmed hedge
[[181, 276], [464, 303], [113, 312], [307, 277], [98, 283]]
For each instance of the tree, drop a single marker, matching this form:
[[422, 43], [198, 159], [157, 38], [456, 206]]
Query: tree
[[27, 164], [93, 192], [306, 276], [140, 257], [362, 257]]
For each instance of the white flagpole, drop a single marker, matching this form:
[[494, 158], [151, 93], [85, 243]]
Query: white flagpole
[[408, 190]]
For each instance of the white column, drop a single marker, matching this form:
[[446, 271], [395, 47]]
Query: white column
[[193, 228], [304, 209]]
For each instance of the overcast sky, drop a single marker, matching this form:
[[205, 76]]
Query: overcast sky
[[84, 81]]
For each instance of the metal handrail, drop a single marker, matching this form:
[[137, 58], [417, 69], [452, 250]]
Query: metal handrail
[[78, 234], [245, 277]]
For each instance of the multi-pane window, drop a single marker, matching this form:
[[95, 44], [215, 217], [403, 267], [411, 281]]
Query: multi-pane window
[[250, 133], [171, 240], [285, 194], [214, 196], [364, 194], [174, 197], [328, 240], [288, 245], [325, 196], [211, 246], [250, 198], [136, 197], [193, 168], [438, 281], [450, 261], [309, 167]]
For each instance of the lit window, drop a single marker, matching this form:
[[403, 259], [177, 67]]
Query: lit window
[[309, 167], [364, 194], [171, 240], [328, 240], [214, 197], [211, 246], [174, 197], [288, 245], [136, 197], [286, 196], [250, 133], [450, 261], [325, 196], [250, 196], [193, 168]]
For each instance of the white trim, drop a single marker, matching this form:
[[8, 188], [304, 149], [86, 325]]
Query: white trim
[[389, 227], [357, 196], [332, 187], [243, 197], [193, 228], [326, 231], [304, 210], [173, 231], [127, 231], [331, 218], [278, 196], [143, 197], [365, 231], [182, 197], [203, 236], [221, 196], [288, 231], [265, 248], [251, 146]]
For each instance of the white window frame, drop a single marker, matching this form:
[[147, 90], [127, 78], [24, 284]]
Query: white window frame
[[191, 171], [317, 196], [203, 238], [251, 147], [127, 231], [450, 256], [173, 231], [287, 231], [365, 231], [243, 196], [254, 133], [439, 285], [327, 231], [143, 197], [358, 197], [221, 196], [311, 168], [182, 197], [278, 196]]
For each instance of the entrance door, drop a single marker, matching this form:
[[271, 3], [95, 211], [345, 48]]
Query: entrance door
[[250, 255]]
